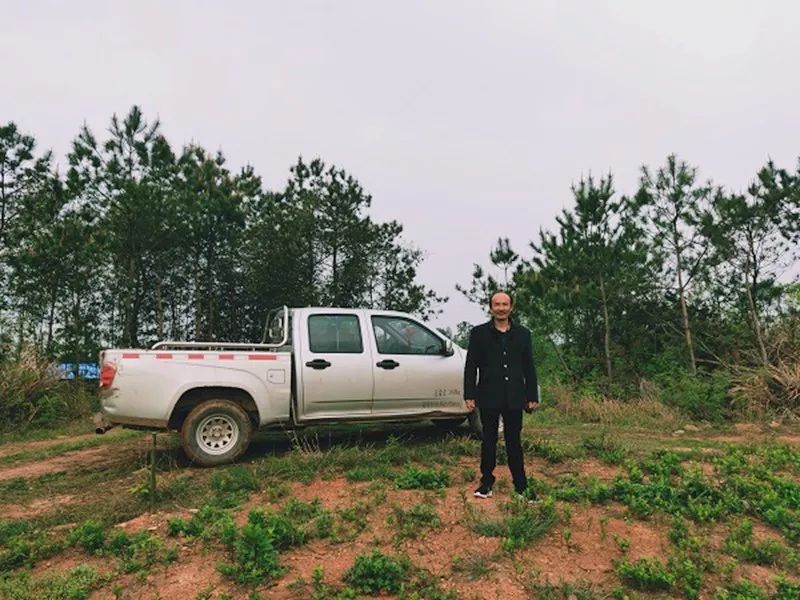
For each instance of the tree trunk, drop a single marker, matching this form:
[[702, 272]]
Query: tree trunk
[[159, 312], [687, 330], [607, 329], [751, 305]]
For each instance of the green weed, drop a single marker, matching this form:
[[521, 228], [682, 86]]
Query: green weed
[[606, 449], [473, 566], [526, 523], [422, 478], [75, 584], [647, 574], [376, 573], [409, 524], [90, 535], [552, 452]]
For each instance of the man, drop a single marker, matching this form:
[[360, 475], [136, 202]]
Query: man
[[500, 379]]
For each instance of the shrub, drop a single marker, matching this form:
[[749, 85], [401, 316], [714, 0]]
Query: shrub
[[422, 478], [375, 572], [256, 559], [90, 535], [606, 449], [525, 523], [29, 390], [647, 574], [769, 391], [75, 584], [704, 396], [409, 523]]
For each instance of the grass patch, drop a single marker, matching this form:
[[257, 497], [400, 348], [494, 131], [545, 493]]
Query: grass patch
[[75, 584], [410, 523], [552, 452], [646, 574], [416, 478], [473, 566], [57, 449], [376, 573]]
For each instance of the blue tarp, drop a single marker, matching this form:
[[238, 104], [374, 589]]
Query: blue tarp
[[85, 371]]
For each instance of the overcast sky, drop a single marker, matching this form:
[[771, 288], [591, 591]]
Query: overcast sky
[[466, 121]]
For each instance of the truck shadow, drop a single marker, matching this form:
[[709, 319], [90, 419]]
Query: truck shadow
[[324, 438]]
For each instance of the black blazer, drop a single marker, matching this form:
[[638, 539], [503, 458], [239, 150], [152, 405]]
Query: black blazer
[[487, 372]]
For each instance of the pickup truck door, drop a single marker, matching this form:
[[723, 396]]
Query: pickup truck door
[[412, 375], [335, 364]]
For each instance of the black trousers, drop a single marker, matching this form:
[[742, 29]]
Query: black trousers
[[512, 421]]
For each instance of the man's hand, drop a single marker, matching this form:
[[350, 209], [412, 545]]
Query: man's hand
[[470, 405], [531, 406]]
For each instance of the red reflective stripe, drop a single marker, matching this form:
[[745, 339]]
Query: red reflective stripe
[[226, 356], [167, 355], [130, 355], [261, 357], [195, 357]]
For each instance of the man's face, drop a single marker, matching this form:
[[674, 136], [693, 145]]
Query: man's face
[[501, 306]]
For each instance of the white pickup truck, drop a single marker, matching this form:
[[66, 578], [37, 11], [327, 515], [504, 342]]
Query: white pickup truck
[[314, 365]]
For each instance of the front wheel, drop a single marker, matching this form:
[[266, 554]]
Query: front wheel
[[216, 432]]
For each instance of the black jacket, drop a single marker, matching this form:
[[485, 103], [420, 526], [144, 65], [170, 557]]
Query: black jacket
[[489, 376]]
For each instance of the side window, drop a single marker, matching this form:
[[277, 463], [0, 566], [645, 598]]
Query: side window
[[335, 333], [396, 335]]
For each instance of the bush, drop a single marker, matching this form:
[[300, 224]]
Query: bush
[[90, 535], [526, 524], [647, 574], [425, 479], [704, 396], [375, 572], [769, 392], [28, 388], [256, 558]]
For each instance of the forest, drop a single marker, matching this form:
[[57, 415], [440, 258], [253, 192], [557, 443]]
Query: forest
[[682, 290]]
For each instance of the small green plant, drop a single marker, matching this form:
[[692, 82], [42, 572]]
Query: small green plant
[[89, 535], [416, 478], [473, 566], [524, 523], [375, 573], [75, 584], [741, 590], [255, 557], [648, 574], [552, 452], [368, 472], [467, 474], [408, 524], [624, 544], [740, 543], [606, 449], [140, 551]]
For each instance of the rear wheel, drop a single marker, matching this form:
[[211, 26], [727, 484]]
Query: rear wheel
[[216, 432]]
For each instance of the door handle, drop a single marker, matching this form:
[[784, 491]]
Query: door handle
[[318, 363], [388, 364]]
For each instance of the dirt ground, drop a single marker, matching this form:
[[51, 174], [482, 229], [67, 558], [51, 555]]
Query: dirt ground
[[582, 556]]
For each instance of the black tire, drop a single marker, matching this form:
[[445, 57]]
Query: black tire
[[216, 432], [448, 424]]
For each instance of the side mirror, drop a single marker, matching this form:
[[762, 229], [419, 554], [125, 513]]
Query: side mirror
[[447, 348]]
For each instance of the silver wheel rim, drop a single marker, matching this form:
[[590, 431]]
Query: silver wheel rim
[[217, 434]]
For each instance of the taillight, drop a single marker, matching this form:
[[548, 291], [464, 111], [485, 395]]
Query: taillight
[[107, 373]]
